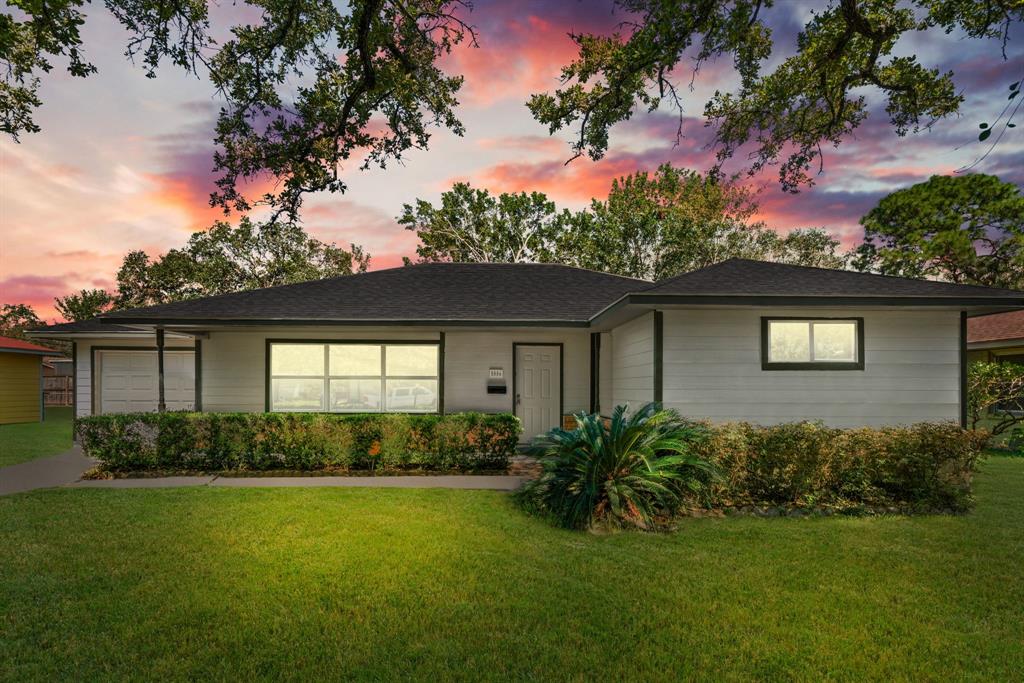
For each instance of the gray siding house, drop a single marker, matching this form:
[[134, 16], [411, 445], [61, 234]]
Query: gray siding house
[[740, 340]]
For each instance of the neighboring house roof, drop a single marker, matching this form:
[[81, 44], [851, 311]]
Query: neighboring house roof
[[997, 327], [506, 292], [11, 345], [544, 294], [743, 277]]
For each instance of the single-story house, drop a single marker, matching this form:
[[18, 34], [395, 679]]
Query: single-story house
[[996, 337], [739, 340], [21, 380]]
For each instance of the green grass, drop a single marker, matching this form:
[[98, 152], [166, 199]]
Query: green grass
[[429, 584], [31, 440]]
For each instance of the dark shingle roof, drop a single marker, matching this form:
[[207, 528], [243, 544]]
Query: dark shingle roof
[[739, 277], [540, 293], [505, 292]]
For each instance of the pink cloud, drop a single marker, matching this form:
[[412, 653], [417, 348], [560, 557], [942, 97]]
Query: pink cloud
[[523, 46], [344, 222], [35, 290]]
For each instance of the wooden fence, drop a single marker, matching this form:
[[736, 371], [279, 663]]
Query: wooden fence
[[57, 391]]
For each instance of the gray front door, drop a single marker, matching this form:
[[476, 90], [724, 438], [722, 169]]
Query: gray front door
[[538, 388]]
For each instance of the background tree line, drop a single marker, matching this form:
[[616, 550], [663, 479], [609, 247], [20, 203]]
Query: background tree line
[[967, 229]]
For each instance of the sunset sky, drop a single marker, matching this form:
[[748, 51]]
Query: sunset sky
[[124, 162]]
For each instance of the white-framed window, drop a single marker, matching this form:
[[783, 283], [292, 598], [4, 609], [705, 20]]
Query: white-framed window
[[354, 377], [812, 344]]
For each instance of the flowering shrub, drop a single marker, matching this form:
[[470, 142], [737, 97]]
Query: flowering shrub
[[299, 441]]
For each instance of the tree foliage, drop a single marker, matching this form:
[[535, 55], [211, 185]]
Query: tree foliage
[[16, 318], [227, 259], [651, 226], [813, 98], [85, 305], [993, 391], [308, 87], [673, 221], [311, 86], [967, 229], [474, 225]]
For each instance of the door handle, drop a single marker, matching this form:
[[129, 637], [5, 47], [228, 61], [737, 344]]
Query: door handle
[[518, 401]]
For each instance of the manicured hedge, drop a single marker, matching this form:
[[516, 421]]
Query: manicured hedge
[[299, 441], [926, 466]]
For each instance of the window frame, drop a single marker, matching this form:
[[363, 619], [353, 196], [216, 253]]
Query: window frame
[[767, 364], [269, 376]]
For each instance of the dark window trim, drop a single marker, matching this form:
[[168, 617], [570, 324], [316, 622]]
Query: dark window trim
[[856, 365], [439, 343], [561, 375], [595, 372], [93, 375]]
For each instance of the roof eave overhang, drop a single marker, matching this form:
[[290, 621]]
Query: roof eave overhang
[[982, 305], [995, 343], [614, 313], [89, 334], [182, 323]]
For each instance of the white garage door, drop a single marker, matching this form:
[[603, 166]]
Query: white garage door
[[128, 381]]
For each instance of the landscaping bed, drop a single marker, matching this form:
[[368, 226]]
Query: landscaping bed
[[647, 467], [299, 442]]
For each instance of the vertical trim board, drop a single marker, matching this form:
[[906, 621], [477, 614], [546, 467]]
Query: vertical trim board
[[963, 369], [659, 356]]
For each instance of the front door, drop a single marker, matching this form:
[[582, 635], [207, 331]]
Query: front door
[[538, 388]]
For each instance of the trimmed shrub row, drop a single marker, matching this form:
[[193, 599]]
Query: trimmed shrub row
[[299, 441], [926, 466]]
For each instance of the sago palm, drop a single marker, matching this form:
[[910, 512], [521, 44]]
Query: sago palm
[[627, 471]]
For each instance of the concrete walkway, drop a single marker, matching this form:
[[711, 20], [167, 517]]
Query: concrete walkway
[[43, 473], [491, 482], [66, 470]]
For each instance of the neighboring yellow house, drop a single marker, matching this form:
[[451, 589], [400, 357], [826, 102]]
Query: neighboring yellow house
[[21, 380]]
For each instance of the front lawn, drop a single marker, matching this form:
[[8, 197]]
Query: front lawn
[[31, 440], [387, 584]]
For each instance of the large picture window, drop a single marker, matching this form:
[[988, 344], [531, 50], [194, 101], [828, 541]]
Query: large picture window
[[354, 377], [812, 344]]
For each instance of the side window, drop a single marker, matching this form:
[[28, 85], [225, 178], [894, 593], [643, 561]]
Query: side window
[[812, 344]]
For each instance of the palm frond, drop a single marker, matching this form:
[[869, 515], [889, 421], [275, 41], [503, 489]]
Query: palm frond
[[630, 470]]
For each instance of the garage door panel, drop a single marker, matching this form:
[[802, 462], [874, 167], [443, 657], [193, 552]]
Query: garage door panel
[[128, 381]]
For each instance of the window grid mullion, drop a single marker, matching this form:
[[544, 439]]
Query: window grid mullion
[[327, 376], [810, 349]]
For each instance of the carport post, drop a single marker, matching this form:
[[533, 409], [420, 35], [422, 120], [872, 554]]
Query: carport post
[[161, 405]]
